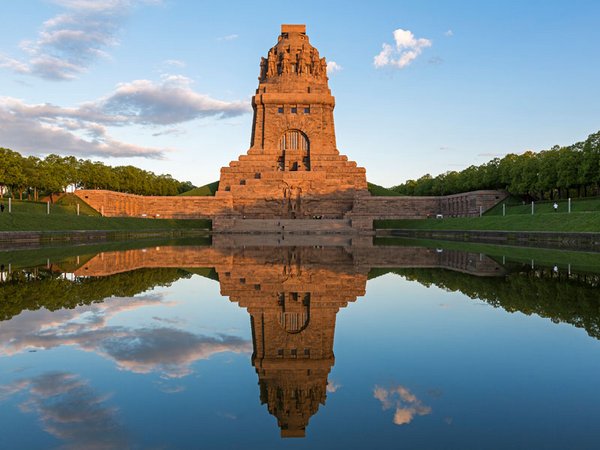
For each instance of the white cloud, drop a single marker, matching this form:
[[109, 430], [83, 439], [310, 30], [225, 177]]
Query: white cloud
[[167, 350], [81, 130], [32, 136], [70, 410], [169, 102], [68, 43], [333, 67], [405, 403], [449, 33], [333, 386], [229, 37], [404, 52], [175, 63]]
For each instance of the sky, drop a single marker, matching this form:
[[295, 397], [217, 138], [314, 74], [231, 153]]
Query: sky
[[421, 86]]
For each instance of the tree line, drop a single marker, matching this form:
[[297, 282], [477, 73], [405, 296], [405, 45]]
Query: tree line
[[32, 289], [560, 172], [573, 300], [31, 176]]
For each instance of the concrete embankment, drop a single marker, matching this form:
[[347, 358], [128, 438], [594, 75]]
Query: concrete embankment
[[28, 239], [550, 239]]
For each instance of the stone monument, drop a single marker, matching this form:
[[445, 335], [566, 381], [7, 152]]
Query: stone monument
[[293, 178], [293, 169]]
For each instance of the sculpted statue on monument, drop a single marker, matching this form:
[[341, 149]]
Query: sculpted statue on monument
[[299, 61], [305, 61], [323, 71], [263, 69], [285, 62], [271, 64], [315, 63]]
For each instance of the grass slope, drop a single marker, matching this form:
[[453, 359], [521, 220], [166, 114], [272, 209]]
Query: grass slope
[[574, 222], [64, 222], [380, 191], [32, 216], [65, 205], [517, 207], [203, 191]]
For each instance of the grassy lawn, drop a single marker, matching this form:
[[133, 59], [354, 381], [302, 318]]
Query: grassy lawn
[[207, 190], [32, 216], [66, 205], [574, 222], [577, 205]]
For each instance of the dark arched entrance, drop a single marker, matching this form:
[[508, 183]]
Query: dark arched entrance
[[294, 151]]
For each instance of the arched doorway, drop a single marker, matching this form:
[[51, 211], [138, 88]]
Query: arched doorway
[[294, 151], [294, 312]]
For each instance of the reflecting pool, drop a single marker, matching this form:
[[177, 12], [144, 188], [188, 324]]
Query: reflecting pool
[[231, 345]]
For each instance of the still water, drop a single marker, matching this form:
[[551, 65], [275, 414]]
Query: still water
[[232, 346]]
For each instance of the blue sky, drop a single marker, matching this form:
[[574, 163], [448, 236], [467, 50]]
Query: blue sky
[[166, 85]]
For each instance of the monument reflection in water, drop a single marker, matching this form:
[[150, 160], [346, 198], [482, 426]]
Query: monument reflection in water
[[292, 295]]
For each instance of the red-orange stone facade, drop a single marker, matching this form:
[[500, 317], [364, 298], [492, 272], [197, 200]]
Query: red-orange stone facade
[[293, 168]]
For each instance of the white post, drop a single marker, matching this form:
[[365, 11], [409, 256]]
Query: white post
[[503, 259], [77, 208], [532, 265], [569, 205], [9, 204], [48, 207], [569, 269], [102, 210], [503, 209], [532, 208], [480, 210]]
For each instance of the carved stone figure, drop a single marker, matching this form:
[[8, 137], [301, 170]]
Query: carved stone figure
[[316, 64], [271, 64], [285, 62], [304, 61], [299, 61], [295, 193], [323, 68], [263, 69]]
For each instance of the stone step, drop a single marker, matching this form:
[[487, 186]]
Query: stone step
[[284, 226]]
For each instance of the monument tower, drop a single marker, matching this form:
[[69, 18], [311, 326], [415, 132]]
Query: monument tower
[[293, 169]]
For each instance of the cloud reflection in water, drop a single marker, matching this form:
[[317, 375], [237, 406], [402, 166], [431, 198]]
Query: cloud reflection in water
[[165, 349]]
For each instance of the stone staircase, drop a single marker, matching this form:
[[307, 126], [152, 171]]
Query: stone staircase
[[285, 226]]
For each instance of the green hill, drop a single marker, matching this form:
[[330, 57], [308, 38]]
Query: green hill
[[203, 191], [380, 191]]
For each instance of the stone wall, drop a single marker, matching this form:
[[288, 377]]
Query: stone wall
[[117, 204], [468, 204], [229, 209]]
